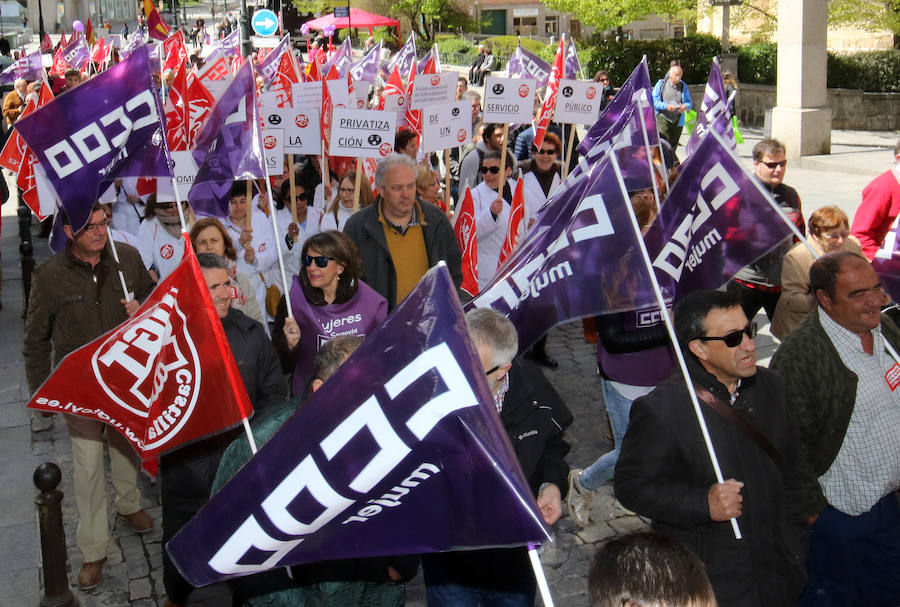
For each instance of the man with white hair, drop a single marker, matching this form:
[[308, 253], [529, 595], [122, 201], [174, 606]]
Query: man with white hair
[[534, 417], [14, 101], [398, 238]]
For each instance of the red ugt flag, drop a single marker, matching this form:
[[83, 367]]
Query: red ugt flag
[[516, 216], [163, 378], [468, 243], [556, 74]]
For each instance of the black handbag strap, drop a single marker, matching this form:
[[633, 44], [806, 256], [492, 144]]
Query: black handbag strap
[[742, 424]]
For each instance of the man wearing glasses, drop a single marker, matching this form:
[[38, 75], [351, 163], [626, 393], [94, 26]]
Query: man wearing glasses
[[842, 373], [759, 284], [664, 471], [76, 296]]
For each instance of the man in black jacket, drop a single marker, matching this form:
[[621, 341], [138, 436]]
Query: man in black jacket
[[664, 471], [534, 417], [398, 238], [187, 473]]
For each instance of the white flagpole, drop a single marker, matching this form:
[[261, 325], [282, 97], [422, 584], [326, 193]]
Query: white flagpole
[[178, 204], [272, 212], [112, 245], [671, 331], [539, 575], [767, 196], [640, 104]]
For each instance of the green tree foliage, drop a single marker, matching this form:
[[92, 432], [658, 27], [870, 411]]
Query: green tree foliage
[[613, 14], [316, 7], [427, 17]]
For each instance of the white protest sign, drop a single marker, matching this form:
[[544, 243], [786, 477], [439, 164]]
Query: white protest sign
[[446, 126], [273, 117], [185, 170], [273, 148], [578, 102], [340, 94], [362, 133], [508, 100], [396, 104], [433, 89], [302, 131], [307, 95]]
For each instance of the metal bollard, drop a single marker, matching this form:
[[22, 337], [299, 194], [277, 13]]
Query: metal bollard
[[26, 251], [53, 538]]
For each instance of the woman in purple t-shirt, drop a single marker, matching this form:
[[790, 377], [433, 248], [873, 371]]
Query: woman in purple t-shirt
[[327, 299]]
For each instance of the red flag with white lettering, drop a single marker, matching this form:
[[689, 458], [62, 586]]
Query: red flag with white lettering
[[59, 62], [100, 53], [163, 378], [516, 220], [18, 158], [177, 113], [200, 105], [327, 108], [46, 44], [394, 86], [175, 51], [556, 74], [468, 243], [286, 75]]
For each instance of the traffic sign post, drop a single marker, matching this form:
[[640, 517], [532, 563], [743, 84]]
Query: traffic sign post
[[264, 22]]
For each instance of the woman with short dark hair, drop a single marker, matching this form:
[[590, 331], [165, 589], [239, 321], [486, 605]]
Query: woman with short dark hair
[[327, 299]]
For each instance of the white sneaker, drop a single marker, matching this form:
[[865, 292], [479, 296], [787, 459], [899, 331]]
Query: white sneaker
[[579, 499]]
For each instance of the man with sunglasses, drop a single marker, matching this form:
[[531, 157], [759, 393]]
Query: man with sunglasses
[[76, 296], [664, 471], [759, 284], [842, 373]]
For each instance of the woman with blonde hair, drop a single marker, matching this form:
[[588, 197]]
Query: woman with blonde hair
[[428, 187], [829, 231], [341, 208]]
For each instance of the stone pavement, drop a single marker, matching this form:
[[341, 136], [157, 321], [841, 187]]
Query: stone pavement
[[133, 569]]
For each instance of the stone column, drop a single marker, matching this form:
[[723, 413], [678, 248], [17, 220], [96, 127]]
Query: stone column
[[801, 118]]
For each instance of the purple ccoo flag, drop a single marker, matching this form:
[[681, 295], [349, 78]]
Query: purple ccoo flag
[[77, 53], [29, 67], [230, 44], [229, 147], [525, 64], [716, 220], [722, 125], [572, 67], [268, 67], [715, 104], [111, 126], [637, 81], [404, 59], [342, 59], [367, 67], [396, 454], [573, 262], [133, 41]]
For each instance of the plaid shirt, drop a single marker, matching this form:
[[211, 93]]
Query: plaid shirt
[[867, 466], [501, 393]]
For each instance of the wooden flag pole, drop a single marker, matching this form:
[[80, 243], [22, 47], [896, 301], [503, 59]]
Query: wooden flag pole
[[357, 184], [568, 159], [248, 223], [293, 186], [503, 147], [447, 179]]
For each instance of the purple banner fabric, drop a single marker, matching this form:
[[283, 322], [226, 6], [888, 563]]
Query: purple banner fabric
[[395, 454], [722, 125], [228, 148], [580, 259], [367, 67], [423, 63], [572, 62], [715, 104], [230, 44], [268, 67], [108, 127], [76, 53], [29, 67], [525, 64], [342, 59], [404, 59], [715, 221], [133, 41], [631, 88], [887, 263]]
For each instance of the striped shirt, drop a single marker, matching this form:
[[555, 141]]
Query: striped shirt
[[867, 466]]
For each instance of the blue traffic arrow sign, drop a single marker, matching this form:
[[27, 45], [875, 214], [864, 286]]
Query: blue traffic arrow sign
[[264, 22]]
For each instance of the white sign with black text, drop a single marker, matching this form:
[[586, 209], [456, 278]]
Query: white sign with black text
[[362, 133], [302, 130], [508, 100], [433, 89], [446, 126], [307, 95], [578, 102], [273, 148]]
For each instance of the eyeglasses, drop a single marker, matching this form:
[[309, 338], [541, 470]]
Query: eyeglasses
[[547, 152], [837, 235], [735, 338], [303, 196], [491, 170], [346, 190], [321, 260], [165, 205], [492, 370], [604, 80], [775, 165], [90, 227]]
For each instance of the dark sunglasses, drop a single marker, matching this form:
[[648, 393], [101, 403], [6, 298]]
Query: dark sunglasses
[[491, 170], [321, 260], [492, 369], [734, 339], [774, 165], [547, 152]]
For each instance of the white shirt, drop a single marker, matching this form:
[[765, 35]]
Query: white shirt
[[490, 231], [534, 194], [867, 466], [158, 248], [263, 244], [343, 214]]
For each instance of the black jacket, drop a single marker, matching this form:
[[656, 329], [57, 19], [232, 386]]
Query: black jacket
[[378, 268], [187, 473], [664, 473], [535, 418]]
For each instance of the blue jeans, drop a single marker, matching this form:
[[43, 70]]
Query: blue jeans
[[454, 595], [618, 408]]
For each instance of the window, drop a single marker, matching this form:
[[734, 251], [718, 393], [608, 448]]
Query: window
[[551, 25], [527, 26]]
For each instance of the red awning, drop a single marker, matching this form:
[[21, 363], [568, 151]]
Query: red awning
[[358, 18]]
